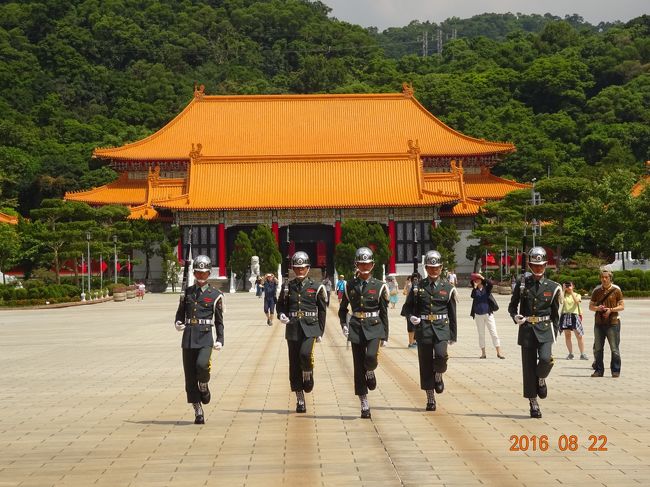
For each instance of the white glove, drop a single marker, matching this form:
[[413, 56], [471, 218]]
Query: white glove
[[415, 319], [180, 326], [284, 318], [217, 345], [451, 342], [347, 318], [520, 319], [346, 331]]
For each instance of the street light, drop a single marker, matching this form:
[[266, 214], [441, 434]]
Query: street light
[[115, 259], [89, 268], [83, 290]]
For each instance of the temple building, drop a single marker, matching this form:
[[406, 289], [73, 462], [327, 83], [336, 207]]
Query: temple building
[[302, 164]]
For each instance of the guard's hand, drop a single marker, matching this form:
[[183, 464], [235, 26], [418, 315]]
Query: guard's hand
[[284, 318], [519, 319], [415, 319], [217, 346], [345, 330], [179, 325], [347, 318]]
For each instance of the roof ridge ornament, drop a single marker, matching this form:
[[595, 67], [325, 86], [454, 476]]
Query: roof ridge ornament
[[414, 147], [195, 153], [199, 90], [407, 89]]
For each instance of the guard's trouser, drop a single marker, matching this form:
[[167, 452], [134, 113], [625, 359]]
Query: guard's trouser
[[534, 369], [432, 358], [364, 357], [196, 365], [301, 358]]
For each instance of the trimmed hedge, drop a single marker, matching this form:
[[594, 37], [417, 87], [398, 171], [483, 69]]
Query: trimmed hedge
[[633, 283], [36, 292]]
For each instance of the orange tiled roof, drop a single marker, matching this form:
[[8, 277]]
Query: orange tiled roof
[[145, 212], [638, 188], [10, 219], [124, 191], [226, 183], [298, 125], [490, 187]]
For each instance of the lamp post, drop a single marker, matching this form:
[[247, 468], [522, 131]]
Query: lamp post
[[115, 259], [83, 290], [507, 262], [89, 268], [416, 261], [101, 273], [128, 266]]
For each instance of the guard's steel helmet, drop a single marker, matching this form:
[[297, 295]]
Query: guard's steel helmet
[[363, 255], [537, 255], [202, 263], [300, 259], [433, 258]]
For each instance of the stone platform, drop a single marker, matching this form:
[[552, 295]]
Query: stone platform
[[94, 395]]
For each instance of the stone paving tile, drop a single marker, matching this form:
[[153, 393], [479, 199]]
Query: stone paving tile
[[105, 405]]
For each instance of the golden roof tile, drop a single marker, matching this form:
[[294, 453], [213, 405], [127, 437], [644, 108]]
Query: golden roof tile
[[10, 219], [276, 182], [303, 125]]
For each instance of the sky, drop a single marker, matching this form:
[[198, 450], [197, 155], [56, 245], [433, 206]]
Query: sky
[[398, 13]]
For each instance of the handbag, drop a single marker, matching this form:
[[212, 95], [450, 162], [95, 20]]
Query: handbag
[[492, 303]]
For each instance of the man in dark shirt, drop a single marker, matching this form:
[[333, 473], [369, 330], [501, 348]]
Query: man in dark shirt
[[269, 288]]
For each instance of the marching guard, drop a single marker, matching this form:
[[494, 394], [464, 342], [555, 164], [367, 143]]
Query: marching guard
[[302, 307], [535, 307], [431, 307], [199, 312], [366, 325]]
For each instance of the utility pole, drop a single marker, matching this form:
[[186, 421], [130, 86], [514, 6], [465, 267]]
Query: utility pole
[[439, 41], [425, 43]]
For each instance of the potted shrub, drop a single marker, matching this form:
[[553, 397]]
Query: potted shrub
[[119, 292], [130, 292]]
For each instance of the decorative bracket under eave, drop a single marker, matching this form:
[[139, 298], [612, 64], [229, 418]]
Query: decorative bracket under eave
[[414, 153], [195, 153]]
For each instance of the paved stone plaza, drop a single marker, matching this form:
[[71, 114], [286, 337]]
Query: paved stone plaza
[[93, 395]]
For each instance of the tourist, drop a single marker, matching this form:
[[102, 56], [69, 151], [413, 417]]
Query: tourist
[[571, 320], [270, 291], [483, 307], [607, 303]]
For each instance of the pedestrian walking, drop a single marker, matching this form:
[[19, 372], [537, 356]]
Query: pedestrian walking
[[199, 315], [365, 324], [270, 291], [571, 320], [607, 302], [302, 308], [535, 306], [431, 308], [483, 308]]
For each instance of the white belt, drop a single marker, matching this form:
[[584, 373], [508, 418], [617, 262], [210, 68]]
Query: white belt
[[365, 314], [197, 321], [433, 317], [301, 314], [537, 319]]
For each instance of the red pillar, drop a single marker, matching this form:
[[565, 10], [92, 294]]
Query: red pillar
[[393, 246], [276, 232], [222, 250], [337, 232], [180, 250]]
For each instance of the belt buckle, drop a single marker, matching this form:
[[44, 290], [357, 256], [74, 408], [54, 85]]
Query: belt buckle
[[193, 321], [300, 314], [432, 318]]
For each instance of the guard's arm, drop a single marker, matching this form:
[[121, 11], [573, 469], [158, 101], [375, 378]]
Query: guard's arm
[[451, 313], [321, 305], [383, 308], [218, 319], [343, 308], [513, 307]]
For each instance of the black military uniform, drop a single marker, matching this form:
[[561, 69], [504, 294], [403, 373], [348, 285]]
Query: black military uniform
[[304, 302], [435, 304], [537, 303], [202, 309], [368, 324]]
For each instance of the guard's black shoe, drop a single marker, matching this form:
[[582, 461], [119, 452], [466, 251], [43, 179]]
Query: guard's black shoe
[[198, 419], [431, 406], [365, 414], [205, 395], [301, 407], [535, 412], [371, 382], [308, 385], [597, 374], [542, 390], [439, 386], [593, 365]]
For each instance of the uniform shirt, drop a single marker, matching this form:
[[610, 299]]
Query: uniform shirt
[[201, 303], [532, 297], [369, 296], [303, 296], [433, 298]]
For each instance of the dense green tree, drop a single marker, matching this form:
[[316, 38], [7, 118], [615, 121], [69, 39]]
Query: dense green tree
[[266, 248], [10, 248], [444, 238], [358, 233], [240, 258]]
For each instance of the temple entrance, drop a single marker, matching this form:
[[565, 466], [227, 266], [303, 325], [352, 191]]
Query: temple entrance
[[316, 240]]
